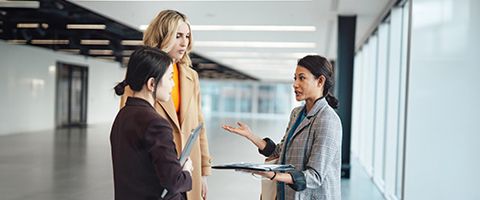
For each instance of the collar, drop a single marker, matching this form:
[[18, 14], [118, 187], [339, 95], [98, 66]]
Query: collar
[[317, 106], [135, 101], [185, 70]]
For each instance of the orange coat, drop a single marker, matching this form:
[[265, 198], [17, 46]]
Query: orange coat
[[190, 117]]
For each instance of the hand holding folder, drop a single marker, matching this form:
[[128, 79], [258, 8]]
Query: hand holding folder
[[190, 142], [256, 167], [187, 149]]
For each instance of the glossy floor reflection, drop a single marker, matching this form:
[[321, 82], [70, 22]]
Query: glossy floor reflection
[[75, 164]]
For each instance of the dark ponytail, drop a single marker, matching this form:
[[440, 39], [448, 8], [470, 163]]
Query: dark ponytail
[[120, 88], [144, 63], [332, 101], [320, 66]]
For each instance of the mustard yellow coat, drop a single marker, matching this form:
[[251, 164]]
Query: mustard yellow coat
[[190, 117]]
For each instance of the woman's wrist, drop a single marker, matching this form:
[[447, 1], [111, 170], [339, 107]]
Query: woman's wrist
[[274, 175], [250, 137]]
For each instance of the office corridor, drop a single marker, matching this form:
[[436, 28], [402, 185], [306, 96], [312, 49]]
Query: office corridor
[[75, 164], [405, 74]]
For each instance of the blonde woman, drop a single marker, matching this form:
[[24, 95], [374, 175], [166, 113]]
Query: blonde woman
[[170, 31]]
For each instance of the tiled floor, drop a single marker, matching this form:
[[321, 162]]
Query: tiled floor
[[75, 164]]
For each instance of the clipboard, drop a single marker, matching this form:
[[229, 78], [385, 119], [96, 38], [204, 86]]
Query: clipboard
[[256, 167], [190, 142]]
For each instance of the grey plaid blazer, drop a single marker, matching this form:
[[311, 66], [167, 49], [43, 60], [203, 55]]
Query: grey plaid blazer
[[321, 134]]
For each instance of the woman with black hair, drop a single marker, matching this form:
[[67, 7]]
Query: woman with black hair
[[313, 139], [170, 31], [145, 163]]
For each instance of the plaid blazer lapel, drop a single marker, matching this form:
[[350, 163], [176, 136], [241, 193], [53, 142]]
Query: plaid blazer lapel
[[319, 104], [305, 122]]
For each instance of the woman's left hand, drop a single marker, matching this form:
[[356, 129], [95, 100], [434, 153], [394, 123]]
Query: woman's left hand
[[268, 175], [264, 174]]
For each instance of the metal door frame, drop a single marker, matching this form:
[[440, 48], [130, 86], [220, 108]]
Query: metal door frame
[[70, 67]]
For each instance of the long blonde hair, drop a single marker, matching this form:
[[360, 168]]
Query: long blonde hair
[[163, 29]]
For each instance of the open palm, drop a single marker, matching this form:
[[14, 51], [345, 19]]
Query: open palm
[[242, 129]]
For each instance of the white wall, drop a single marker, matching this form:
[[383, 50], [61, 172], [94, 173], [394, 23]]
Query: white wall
[[443, 113], [368, 120], [380, 104], [27, 85]]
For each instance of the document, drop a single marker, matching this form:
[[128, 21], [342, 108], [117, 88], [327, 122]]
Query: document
[[190, 142], [186, 150], [256, 167]]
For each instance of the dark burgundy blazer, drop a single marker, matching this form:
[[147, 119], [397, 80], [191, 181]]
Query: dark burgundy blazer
[[144, 157]]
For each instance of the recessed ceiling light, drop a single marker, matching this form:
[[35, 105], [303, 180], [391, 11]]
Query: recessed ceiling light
[[50, 42], [70, 50], [109, 58], [95, 42], [272, 68], [255, 44], [19, 4], [28, 25], [87, 26], [132, 42], [289, 62], [252, 28], [100, 52], [17, 41], [232, 54], [246, 28]]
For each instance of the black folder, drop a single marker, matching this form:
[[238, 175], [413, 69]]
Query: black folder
[[256, 167]]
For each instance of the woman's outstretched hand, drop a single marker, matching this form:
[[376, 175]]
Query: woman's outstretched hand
[[242, 130]]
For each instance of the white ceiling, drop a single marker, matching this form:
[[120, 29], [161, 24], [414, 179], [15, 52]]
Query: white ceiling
[[265, 63]]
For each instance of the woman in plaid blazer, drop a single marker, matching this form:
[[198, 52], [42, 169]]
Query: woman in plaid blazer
[[313, 139]]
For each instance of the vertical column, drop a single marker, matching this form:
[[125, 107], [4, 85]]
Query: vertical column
[[344, 69]]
